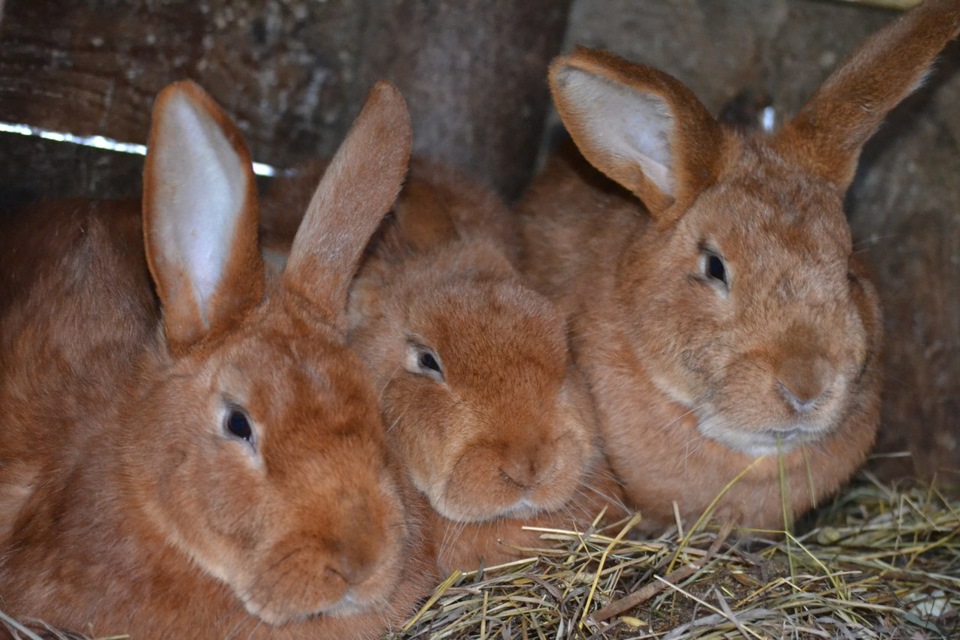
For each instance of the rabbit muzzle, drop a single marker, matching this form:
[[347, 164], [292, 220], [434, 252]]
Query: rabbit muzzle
[[338, 557]]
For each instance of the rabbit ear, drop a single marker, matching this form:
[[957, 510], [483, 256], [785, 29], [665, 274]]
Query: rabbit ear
[[423, 217], [828, 133], [639, 126], [357, 189], [199, 217]]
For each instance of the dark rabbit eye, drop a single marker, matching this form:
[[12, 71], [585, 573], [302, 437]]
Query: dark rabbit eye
[[713, 269], [237, 424], [716, 269], [428, 361], [423, 361]]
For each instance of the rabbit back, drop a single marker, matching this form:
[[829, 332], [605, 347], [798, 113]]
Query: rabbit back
[[75, 309]]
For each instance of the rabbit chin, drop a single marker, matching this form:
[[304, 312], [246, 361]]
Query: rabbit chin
[[346, 607], [759, 441], [350, 602], [525, 506], [352, 605]]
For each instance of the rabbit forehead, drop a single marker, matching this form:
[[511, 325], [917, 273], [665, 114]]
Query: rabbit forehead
[[297, 383], [496, 321], [783, 260], [765, 201], [779, 228]]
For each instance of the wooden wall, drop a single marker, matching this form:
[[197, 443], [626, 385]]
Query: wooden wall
[[293, 73]]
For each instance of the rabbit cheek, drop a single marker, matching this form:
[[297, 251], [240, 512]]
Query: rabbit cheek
[[673, 319], [422, 430], [572, 446], [197, 498]]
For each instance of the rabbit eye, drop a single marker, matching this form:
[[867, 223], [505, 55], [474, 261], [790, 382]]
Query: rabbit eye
[[237, 424], [423, 361], [714, 269], [427, 361]]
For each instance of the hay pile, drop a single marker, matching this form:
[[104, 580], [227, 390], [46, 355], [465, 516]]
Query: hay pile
[[880, 562]]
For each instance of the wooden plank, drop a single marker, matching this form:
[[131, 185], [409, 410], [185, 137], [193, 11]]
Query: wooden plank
[[32, 169], [289, 72], [285, 70]]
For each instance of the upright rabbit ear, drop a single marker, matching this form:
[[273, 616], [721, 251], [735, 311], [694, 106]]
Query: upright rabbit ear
[[199, 217], [639, 126], [359, 187], [828, 133]]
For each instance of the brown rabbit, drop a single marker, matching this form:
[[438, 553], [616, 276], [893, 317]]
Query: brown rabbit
[[479, 395], [482, 405], [212, 465], [725, 326]]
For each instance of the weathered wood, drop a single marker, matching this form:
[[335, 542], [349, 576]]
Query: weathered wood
[[905, 208], [474, 75], [919, 264], [31, 169], [285, 69]]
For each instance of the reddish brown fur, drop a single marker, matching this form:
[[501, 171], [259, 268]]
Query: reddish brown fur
[[511, 409], [370, 171], [510, 419], [692, 383], [126, 508]]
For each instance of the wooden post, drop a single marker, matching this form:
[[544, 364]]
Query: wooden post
[[474, 75]]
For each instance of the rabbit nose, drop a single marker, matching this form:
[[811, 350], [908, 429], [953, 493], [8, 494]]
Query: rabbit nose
[[803, 381], [522, 467], [354, 568]]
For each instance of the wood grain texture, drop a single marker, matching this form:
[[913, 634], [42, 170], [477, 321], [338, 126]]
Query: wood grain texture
[[283, 69], [293, 73]]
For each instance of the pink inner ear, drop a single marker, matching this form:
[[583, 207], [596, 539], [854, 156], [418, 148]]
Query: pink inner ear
[[622, 123], [198, 185]]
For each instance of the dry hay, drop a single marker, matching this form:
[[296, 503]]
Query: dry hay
[[880, 562], [39, 630]]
